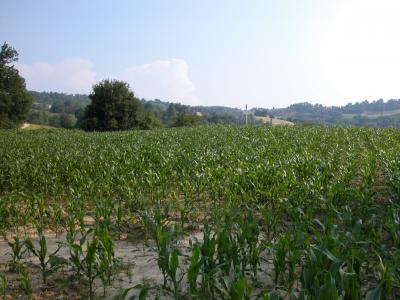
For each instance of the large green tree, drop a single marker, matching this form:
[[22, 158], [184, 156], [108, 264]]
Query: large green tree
[[15, 101], [113, 107]]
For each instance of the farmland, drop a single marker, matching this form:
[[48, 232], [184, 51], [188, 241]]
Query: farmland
[[223, 212]]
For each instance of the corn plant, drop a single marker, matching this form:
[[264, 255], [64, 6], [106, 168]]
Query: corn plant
[[251, 230], [3, 285], [328, 289], [18, 250], [172, 271], [90, 266], [194, 269], [93, 257], [56, 212], [293, 257], [106, 257], [144, 290], [234, 287], [167, 256], [228, 249], [209, 265], [75, 244], [104, 210], [270, 222], [384, 288], [151, 222], [351, 283], [280, 250], [24, 280], [320, 203], [49, 262], [273, 295]]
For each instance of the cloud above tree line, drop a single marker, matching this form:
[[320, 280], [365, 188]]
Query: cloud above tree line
[[163, 79]]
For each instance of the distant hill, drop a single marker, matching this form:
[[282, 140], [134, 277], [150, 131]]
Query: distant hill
[[377, 113], [63, 110], [59, 102], [50, 100], [53, 97]]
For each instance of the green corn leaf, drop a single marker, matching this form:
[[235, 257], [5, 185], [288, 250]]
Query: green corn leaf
[[328, 290], [143, 293], [56, 261], [173, 261], [327, 253]]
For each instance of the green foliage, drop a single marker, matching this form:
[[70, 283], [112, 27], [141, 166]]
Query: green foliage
[[91, 266], [76, 253], [63, 120], [194, 270], [149, 121], [91, 252], [15, 101], [49, 262], [38, 117], [3, 285], [25, 283], [186, 119], [283, 212], [235, 287], [48, 106], [64, 103], [372, 114], [18, 248], [165, 237], [97, 261], [113, 107], [384, 288]]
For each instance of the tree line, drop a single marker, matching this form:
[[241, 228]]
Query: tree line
[[376, 113], [67, 112]]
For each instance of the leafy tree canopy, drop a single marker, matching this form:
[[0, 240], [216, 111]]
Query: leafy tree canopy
[[113, 107], [187, 119], [15, 101]]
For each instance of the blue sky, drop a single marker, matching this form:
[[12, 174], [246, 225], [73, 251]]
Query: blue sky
[[264, 53]]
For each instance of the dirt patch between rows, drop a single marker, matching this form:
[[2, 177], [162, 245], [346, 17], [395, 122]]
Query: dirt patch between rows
[[138, 265]]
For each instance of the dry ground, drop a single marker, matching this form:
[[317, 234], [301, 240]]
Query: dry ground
[[138, 265], [267, 120], [29, 126]]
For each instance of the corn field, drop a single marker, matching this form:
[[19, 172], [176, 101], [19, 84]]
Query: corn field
[[231, 212]]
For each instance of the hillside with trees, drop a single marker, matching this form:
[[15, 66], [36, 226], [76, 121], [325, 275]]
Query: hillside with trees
[[64, 110], [377, 113]]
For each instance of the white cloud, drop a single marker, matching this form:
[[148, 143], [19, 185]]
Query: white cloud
[[167, 80], [69, 76]]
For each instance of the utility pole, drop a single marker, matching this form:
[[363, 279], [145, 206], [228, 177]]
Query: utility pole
[[246, 114]]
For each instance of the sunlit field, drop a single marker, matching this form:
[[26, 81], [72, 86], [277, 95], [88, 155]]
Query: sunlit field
[[212, 212]]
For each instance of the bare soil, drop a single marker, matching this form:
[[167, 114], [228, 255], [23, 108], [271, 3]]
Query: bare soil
[[138, 266], [29, 126]]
